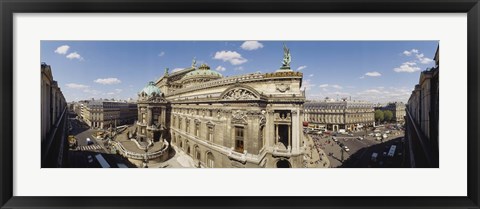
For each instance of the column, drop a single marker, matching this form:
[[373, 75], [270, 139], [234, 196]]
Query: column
[[276, 133], [289, 136], [149, 116], [140, 119], [163, 116]]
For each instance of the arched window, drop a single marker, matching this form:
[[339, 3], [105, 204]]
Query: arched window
[[197, 153], [210, 160]]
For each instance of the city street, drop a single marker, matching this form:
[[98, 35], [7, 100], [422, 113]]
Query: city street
[[359, 154], [85, 155]]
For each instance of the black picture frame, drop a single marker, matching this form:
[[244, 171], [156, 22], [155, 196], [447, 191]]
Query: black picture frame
[[10, 7]]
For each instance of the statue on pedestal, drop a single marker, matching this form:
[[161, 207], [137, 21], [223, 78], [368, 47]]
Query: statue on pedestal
[[286, 57]]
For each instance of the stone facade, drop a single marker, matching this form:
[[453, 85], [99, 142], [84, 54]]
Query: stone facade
[[244, 121], [53, 101], [398, 111], [107, 113], [334, 115], [423, 118]]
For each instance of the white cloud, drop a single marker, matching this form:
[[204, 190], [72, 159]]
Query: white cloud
[[240, 68], [372, 91], [408, 53], [323, 85], [337, 86], [301, 67], [76, 86], [91, 91], [311, 75], [176, 69], [107, 81], [420, 56], [422, 59], [251, 45], [118, 90], [361, 77], [407, 67], [220, 69], [373, 74], [62, 49], [74, 55], [161, 54], [231, 56]]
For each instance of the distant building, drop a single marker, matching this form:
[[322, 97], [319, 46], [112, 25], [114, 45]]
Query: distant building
[[334, 115], [422, 118], [53, 120], [398, 111], [105, 113]]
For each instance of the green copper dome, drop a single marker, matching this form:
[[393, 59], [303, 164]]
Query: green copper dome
[[150, 88], [203, 70]]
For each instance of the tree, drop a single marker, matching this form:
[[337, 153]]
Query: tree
[[388, 115], [379, 115]]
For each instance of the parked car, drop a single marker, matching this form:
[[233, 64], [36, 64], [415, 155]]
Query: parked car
[[346, 148], [360, 138]]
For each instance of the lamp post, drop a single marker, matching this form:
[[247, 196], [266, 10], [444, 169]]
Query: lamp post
[[145, 158]]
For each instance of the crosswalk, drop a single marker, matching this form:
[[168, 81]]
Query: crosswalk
[[89, 147]]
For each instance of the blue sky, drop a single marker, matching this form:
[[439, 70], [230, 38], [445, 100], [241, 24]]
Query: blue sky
[[376, 71]]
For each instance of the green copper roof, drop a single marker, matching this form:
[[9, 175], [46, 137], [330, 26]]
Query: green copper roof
[[204, 70], [150, 88]]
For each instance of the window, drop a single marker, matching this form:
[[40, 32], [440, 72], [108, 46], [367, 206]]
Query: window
[[197, 129], [239, 132], [210, 160], [210, 133]]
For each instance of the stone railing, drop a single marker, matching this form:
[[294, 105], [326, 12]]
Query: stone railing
[[141, 146], [139, 156], [220, 82]]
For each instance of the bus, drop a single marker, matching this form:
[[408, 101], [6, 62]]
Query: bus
[[102, 161], [391, 152]]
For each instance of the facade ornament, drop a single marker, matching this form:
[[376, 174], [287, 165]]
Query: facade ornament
[[283, 87], [194, 62], [263, 120], [286, 57], [239, 117], [239, 94]]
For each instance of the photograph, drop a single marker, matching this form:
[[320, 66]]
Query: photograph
[[239, 104]]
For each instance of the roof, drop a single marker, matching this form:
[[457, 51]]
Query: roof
[[203, 70], [150, 88]]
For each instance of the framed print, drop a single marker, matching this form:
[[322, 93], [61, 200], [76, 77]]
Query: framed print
[[190, 104]]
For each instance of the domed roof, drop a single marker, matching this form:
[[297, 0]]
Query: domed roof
[[150, 88], [203, 70]]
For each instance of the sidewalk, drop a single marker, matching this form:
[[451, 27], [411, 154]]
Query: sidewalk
[[315, 158]]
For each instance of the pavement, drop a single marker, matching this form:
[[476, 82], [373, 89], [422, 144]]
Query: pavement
[[316, 157], [179, 160]]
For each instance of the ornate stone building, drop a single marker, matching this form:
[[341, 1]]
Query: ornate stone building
[[334, 115], [152, 113], [251, 120]]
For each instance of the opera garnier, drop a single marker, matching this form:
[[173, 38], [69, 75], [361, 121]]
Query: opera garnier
[[246, 121]]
